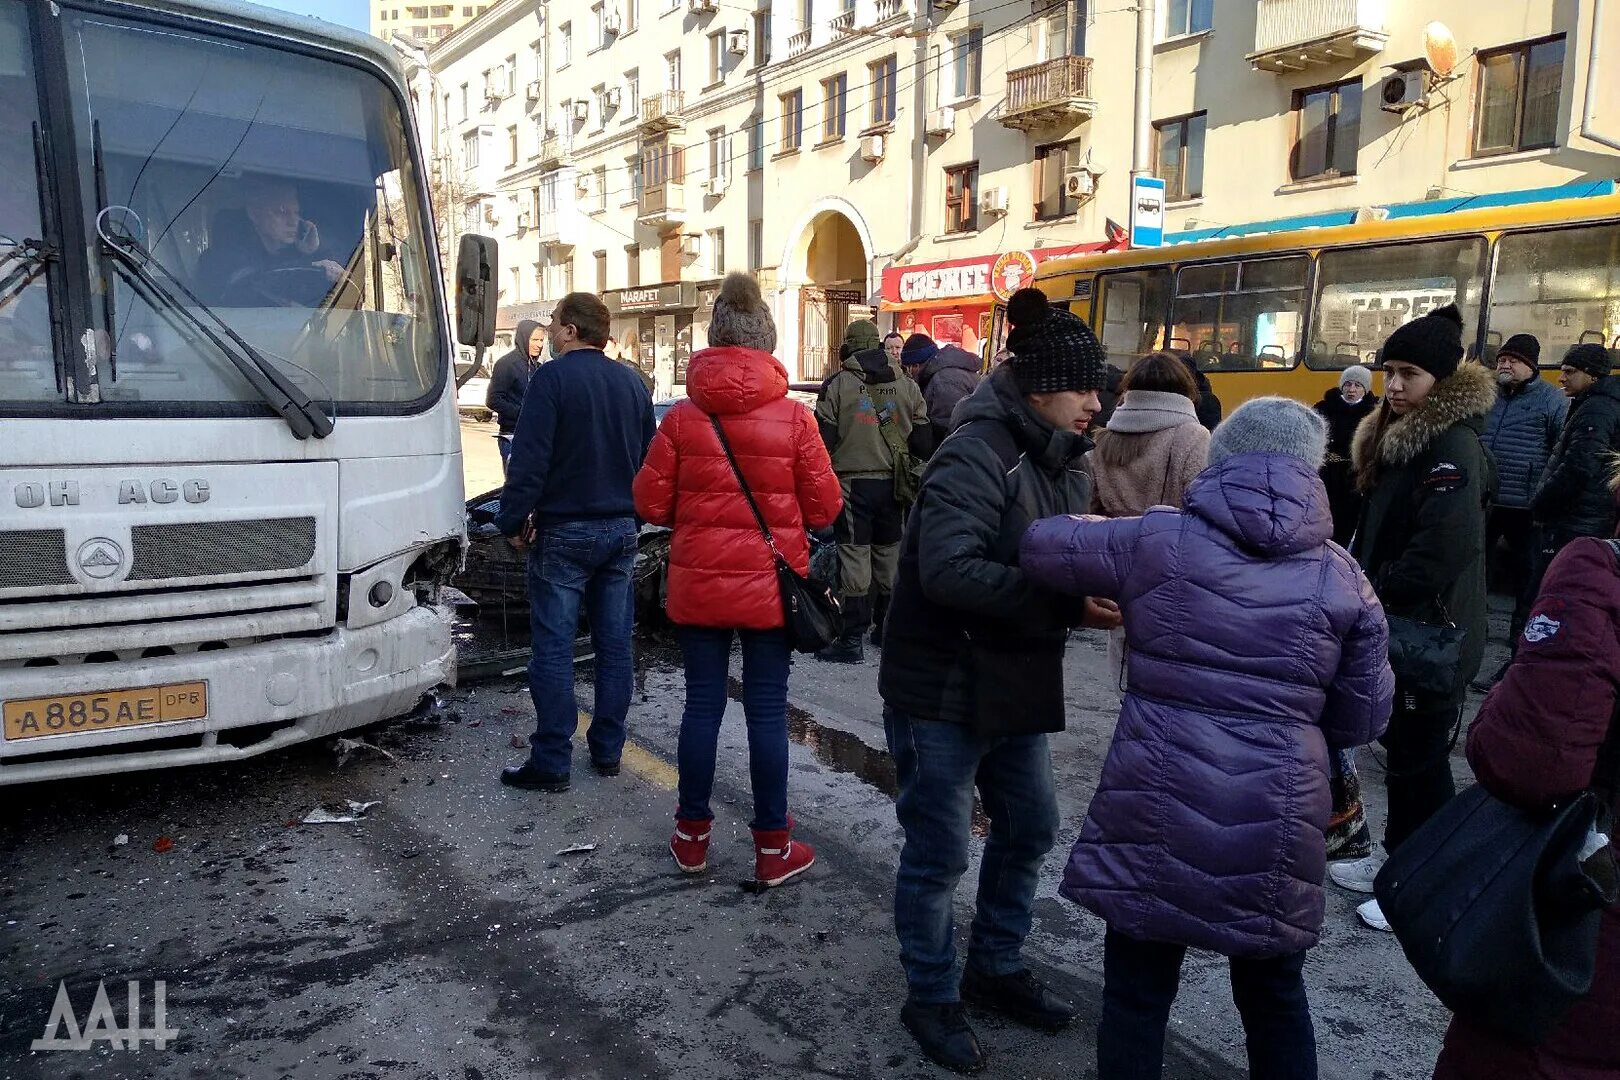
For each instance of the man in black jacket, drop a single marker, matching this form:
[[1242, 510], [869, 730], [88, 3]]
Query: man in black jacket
[[1573, 498], [972, 679], [510, 380]]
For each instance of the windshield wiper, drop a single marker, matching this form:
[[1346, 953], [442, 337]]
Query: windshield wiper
[[22, 263], [159, 286]]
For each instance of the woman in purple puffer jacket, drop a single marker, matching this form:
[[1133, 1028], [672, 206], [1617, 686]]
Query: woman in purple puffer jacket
[[1256, 646]]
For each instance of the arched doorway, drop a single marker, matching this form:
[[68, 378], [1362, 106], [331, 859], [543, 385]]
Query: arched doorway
[[825, 286]]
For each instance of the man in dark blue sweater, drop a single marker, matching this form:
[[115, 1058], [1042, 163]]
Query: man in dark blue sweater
[[585, 426]]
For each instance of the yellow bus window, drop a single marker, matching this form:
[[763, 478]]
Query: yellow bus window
[[1246, 316], [1562, 286], [1363, 294], [1133, 311]]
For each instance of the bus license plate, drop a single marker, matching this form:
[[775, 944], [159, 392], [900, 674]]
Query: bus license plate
[[110, 709]]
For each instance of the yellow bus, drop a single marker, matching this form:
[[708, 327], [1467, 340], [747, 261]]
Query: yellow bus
[[1285, 312]]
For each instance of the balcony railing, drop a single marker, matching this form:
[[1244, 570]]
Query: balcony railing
[[889, 9], [843, 22], [1051, 92], [1291, 35], [798, 43], [557, 228], [553, 152], [663, 205], [664, 111]]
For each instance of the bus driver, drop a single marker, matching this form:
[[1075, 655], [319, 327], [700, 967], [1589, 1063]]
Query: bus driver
[[266, 254]]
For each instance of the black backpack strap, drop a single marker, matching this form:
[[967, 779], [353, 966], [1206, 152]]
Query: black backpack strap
[[742, 482]]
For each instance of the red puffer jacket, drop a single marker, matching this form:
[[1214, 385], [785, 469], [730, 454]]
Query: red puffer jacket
[[720, 571], [1535, 741]]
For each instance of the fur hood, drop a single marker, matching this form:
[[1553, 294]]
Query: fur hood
[[1468, 392]]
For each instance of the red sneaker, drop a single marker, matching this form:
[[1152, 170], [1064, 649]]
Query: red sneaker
[[690, 845], [778, 857]]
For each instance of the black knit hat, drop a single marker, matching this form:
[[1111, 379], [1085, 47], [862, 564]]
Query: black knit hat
[[1052, 350], [1433, 342], [1524, 346], [1591, 358]]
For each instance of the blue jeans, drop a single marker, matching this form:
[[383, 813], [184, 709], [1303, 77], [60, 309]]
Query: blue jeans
[[503, 443], [1140, 979], [575, 563], [937, 765], [707, 656]]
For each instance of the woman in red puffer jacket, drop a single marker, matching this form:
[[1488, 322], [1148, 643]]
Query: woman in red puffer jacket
[[722, 578], [1534, 743]]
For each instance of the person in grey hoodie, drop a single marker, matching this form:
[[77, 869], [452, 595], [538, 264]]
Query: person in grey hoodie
[[946, 374], [510, 380]]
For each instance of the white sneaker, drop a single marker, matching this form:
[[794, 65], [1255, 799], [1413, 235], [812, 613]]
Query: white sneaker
[[1372, 915], [1357, 876]]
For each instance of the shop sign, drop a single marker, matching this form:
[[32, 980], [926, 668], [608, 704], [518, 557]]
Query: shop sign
[[945, 282], [672, 297], [1012, 272], [844, 296]]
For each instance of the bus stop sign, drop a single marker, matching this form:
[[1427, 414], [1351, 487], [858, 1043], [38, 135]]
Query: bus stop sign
[[1147, 211]]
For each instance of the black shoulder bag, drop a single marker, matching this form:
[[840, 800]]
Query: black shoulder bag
[[811, 613], [1499, 909], [1427, 657]]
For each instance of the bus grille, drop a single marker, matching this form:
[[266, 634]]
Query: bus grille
[[212, 548], [33, 559]]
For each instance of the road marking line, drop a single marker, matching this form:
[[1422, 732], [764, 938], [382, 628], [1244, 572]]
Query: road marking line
[[639, 760]]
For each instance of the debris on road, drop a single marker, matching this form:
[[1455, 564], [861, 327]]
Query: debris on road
[[519, 742], [578, 849], [121, 839], [323, 815], [346, 747], [162, 844]]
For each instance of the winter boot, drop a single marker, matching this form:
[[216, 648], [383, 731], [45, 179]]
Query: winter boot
[[690, 845], [846, 650], [778, 857], [880, 612]]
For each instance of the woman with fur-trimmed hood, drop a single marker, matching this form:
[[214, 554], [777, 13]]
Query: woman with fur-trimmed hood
[[1428, 483]]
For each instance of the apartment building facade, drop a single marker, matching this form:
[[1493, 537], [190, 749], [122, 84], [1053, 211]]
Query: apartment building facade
[[421, 23], [921, 158]]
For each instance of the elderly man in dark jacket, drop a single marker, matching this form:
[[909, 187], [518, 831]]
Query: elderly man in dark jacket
[[972, 679], [509, 382], [946, 376], [1520, 434], [1573, 498]]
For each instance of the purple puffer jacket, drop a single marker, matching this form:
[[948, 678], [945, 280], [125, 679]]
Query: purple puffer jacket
[[1255, 645]]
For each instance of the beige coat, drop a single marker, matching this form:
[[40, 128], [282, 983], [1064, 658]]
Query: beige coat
[[1167, 445]]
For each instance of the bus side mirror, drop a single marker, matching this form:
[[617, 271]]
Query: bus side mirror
[[475, 291]]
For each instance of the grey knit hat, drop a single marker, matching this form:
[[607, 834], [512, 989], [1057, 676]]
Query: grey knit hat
[[1271, 425], [1356, 373], [741, 317]]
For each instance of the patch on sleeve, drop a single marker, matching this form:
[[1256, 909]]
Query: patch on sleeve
[[1446, 477], [1540, 628]]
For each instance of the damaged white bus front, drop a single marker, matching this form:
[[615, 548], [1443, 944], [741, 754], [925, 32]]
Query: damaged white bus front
[[230, 469]]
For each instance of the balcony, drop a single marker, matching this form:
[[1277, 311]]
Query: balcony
[[844, 21], [889, 9], [553, 153], [1292, 35], [798, 43], [663, 112], [557, 228], [1051, 93], [663, 205]]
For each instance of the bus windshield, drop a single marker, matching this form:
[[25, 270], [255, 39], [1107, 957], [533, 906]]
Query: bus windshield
[[271, 188]]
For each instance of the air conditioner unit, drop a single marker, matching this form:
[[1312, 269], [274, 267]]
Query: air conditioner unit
[[715, 185], [524, 219], [944, 5], [611, 21], [942, 122], [1401, 91], [737, 43], [1079, 184], [580, 109], [489, 215], [532, 92], [551, 129], [493, 98], [872, 148], [611, 98], [702, 7], [994, 201], [582, 187], [690, 245]]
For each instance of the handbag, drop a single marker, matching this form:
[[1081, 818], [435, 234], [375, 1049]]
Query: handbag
[[1499, 909], [907, 469], [1426, 657], [811, 613]]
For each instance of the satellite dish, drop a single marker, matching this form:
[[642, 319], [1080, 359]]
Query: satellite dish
[[1440, 48]]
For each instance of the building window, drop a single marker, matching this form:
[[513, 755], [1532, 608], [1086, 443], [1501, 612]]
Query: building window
[[961, 195], [1180, 156], [469, 150], [511, 145], [717, 57], [1328, 122], [672, 70], [632, 266], [466, 100], [632, 15], [719, 166], [565, 44], [762, 38], [1052, 167], [756, 244], [834, 94], [632, 167], [511, 75], [601, 270], [717, 251], [632, 93], [966, 52], [1518, 98], [599, 182], [883, 91], [598, 27], [1063, 32], [469, 218], [756, 144], [792, 120], [662, 163], [1188, 17]]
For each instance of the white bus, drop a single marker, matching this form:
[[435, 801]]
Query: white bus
[[230, 467]]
